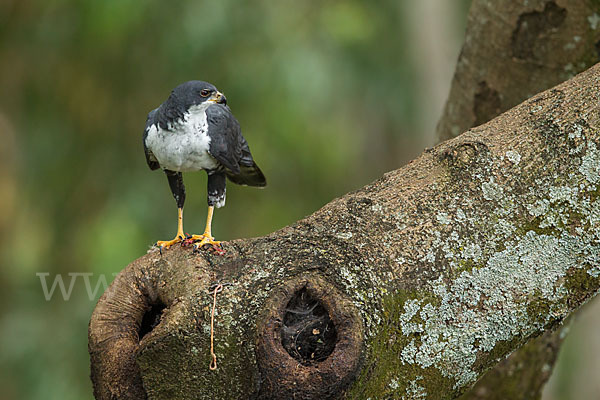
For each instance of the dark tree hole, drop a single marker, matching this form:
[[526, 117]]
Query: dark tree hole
[[308, 333], [150, 319]]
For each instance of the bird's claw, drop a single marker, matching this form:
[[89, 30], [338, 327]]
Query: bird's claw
[[216, 248], [200, 241], [165, 244], [188, 241]]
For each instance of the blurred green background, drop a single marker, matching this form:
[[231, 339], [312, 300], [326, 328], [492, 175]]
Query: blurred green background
[[330, 95]]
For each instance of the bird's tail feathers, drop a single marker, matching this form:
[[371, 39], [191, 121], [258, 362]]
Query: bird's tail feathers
[[249, 175]]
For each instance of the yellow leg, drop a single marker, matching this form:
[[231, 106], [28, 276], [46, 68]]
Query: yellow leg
[[165, 244], [206, 237]]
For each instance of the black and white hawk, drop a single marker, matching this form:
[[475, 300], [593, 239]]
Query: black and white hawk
[[195, 130]]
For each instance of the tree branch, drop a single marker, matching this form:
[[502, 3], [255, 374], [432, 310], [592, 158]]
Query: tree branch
[[540, 43], [428, 277], [524, 373]]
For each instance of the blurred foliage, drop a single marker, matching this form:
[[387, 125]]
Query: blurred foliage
[[324, 92]]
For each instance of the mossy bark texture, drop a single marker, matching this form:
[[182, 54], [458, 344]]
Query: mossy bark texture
[[523, 374], [512, 50], [515, 49], [429, 276]]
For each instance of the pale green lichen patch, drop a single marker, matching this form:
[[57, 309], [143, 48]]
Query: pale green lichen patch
[[513, 157], [443, 218], [392, 379], [452, 333], [594, 20], [414, 390], [353, 277], [491, 190], [590, 164], [496, 290]]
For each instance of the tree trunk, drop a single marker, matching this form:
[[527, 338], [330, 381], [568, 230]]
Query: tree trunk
[[515, 49], [412, 287]]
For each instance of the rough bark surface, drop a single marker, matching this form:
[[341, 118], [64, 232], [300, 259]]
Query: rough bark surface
[[537, 38], [515, 49], [431, 275], [524, 373]]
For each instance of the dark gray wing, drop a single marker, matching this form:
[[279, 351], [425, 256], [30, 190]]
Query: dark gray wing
[[224, 132], [150, 159], [230, 148]]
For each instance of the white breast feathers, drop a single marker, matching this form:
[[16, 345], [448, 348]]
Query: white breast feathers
[[184, 145]]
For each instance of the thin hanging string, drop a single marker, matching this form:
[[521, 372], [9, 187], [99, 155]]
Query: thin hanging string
[[213, 362]]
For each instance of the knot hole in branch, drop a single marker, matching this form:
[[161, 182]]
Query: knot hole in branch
[[310, 341], [151, 318], [308, 333]]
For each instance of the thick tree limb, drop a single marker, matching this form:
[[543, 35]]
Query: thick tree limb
[[545, 42], [523, 374], [429, 276], [514, 49]]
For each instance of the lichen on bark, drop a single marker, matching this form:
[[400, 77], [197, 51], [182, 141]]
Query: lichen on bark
[[442, 268], [542, 235]]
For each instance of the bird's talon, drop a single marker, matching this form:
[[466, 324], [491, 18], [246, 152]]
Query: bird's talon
[[166, 244], [203, 240], [198, 246]]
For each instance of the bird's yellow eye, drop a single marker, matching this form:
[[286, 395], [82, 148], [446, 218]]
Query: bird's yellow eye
[[204, 92]]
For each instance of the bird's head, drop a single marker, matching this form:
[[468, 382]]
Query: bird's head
[[194, 93]]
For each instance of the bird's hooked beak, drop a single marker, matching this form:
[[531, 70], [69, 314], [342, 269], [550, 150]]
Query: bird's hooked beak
[[219, 98]]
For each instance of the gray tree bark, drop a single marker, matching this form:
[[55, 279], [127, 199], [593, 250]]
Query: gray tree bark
[[412, 287], [530, 47], [515, 49]]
